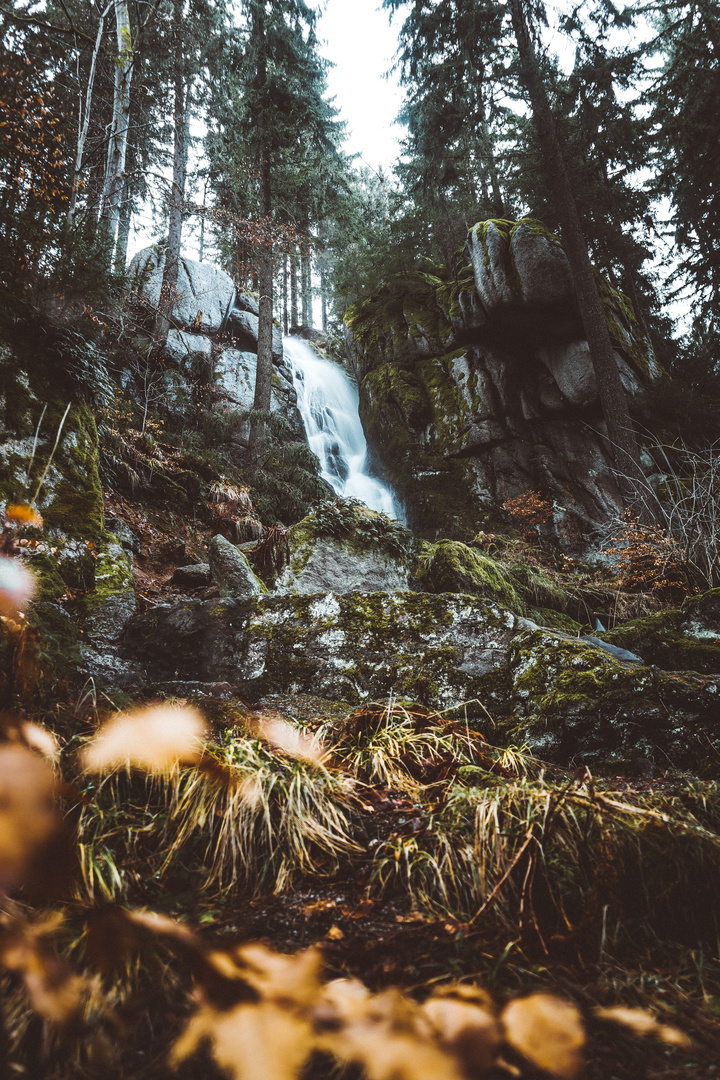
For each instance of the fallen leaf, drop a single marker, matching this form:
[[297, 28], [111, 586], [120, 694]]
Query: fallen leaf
[[154, 739], [34, 843], [547, 1031], [21, 514], [465, 1029], [56, 992], [251, 1042], [643, 1022], [290, 740]]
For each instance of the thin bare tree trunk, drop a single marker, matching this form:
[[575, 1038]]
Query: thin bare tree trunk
[[117, 148], [621, 433], [168, 292], [84, 120], [123, 231], [263, 374], [294, 319], [305, 283]]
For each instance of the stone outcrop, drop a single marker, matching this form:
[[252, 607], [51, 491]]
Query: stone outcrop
[[569, 699], [476, 387], [205, 293], [361, 557], [213, 341]]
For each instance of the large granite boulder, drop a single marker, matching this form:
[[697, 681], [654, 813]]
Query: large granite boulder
[[518, 263], [192, 353], [477, 386], [234, 378], [571, 367], [243, 327], [345, 548], [205, 293]]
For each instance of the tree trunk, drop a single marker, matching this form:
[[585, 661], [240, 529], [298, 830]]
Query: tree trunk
[[123, 231], [621, 434], [305, 282], [285, 295], [168, 292], [117, 148], [263, 375], [84, 121], [294, 323]]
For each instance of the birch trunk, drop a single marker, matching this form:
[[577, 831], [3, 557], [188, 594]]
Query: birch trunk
[[84, 121], [117, 148]]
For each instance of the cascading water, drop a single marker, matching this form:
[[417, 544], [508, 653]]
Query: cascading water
[[328, 404]]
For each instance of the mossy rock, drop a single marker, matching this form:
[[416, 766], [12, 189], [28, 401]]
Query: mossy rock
[[573, 702], [111, 603], [662, 639], [440, 651], [452, 567], [33, 404]]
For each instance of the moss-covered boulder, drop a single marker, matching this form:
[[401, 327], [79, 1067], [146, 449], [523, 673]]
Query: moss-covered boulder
[[450, 566], [439, 650], [345, 547], [675, 640], [572, 702], [701, 617]]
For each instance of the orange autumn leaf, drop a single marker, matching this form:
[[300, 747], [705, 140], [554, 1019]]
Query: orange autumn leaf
[[547, 1031], [154, 739], [21, 514]]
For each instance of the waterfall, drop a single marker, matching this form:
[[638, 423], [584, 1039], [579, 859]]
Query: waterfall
[[328, 404]]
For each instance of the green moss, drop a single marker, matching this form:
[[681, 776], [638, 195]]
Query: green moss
[[659, 640], [49, 584], [625, 331], [450, 566], [51, 652]]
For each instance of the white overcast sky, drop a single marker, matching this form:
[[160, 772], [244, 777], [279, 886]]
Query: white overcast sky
[[357, 38]]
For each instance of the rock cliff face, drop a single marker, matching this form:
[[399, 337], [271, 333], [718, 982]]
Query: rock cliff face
[[477, 387], [213, 339]]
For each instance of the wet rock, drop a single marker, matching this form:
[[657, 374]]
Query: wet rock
[[194, 576], [231, 571]]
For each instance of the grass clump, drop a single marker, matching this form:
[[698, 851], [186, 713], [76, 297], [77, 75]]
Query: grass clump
[[564, 868]]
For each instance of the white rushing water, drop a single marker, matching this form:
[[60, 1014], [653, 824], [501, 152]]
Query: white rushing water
[[328, 404]]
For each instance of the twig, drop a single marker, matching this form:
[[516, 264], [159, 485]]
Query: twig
[[52, 455], [518, 855]]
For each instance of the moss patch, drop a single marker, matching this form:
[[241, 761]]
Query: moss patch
[[450, 566]]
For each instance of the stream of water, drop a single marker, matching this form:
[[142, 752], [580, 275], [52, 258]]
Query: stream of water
[[328, 404]]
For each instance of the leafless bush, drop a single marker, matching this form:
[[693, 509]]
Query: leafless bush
[[689, 500]]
